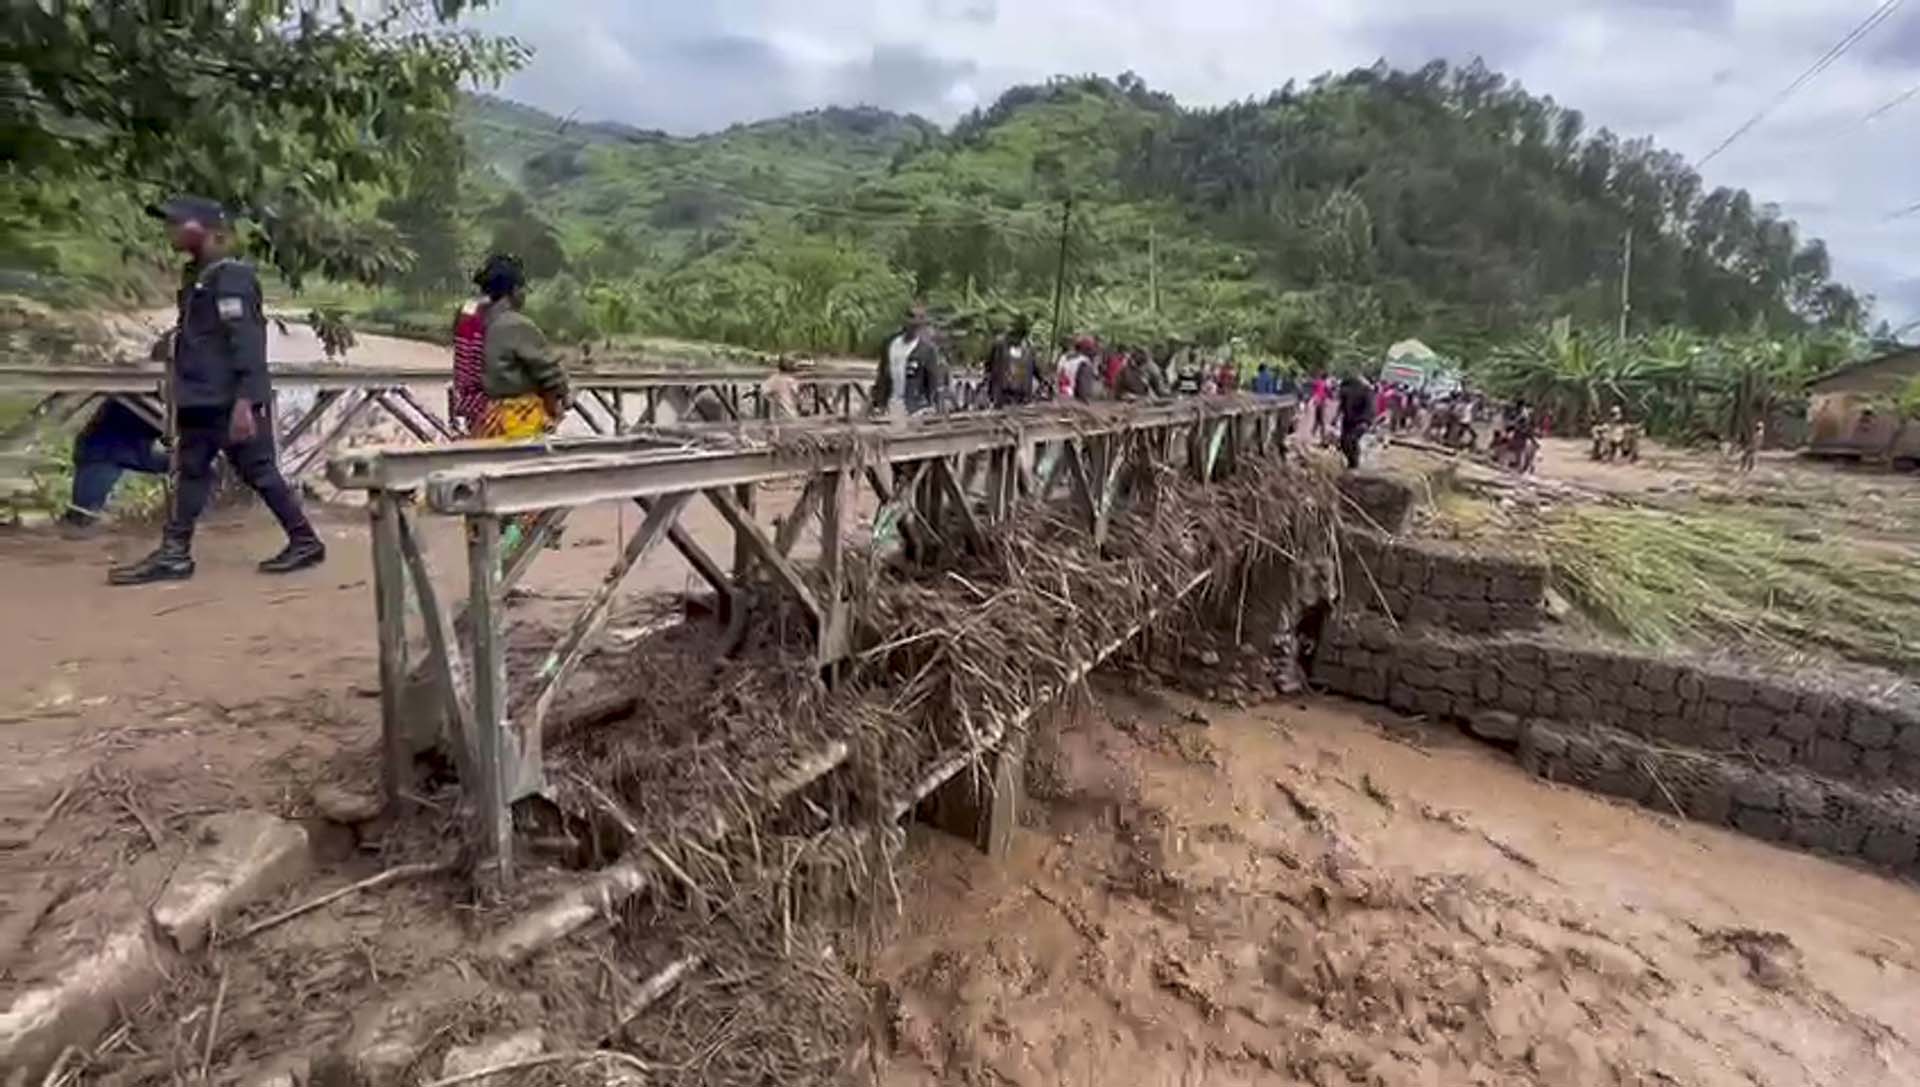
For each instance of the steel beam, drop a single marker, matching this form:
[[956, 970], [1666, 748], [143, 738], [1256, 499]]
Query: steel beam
[[538, 482]]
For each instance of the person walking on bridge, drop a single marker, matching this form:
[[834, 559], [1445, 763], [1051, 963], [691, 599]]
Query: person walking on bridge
[[1012, 369], [220, 396], [908, 379], [525, 385]]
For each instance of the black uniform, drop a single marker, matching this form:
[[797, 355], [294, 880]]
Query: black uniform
[[219, 357]]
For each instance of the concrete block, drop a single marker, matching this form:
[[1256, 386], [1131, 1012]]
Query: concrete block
[[1777, 696], [1516, 698], [1624, 671], [1876, 765], [1906, 739], [1546, 702], [1803, 800], [1871, 731], [1486, 686], [1712, 714], [1797, 726], [1773, 749], [1459, 681], [241, 857], [1768, 826], [1689, 686], [1637, 699], [1438, 657], [1577, 707], [1754, 789], [1658, 676], [1432, 702], [1420, 676], [1473, 615], [1752, 721], [1544, 740], [1495, 725], [1371, 686], [1892, 845], [1834, 758], [1732, 690], [1666, 703], [1906, 770]]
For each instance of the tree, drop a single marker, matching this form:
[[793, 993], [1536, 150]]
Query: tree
[[520, 231], [278, 110]]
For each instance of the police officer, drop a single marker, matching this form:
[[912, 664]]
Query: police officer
[[220, 395]]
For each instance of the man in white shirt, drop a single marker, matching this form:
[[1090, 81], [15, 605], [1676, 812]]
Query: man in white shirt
[[909, 379]]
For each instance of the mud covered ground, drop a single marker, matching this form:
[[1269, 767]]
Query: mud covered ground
[[1309, 892]]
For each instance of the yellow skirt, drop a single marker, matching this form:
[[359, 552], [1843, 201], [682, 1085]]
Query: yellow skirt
[[517, 418]]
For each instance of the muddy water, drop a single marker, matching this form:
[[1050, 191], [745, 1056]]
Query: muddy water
[[1312, 893]]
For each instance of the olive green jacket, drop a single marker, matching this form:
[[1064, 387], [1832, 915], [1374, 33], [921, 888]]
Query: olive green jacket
[[519, 362]]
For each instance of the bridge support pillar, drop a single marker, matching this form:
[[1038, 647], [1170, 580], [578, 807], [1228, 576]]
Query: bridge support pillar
[[984, 806]]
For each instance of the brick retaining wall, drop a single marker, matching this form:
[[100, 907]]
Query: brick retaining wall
[[1437, 584], [1780, 721], [1773, 804]]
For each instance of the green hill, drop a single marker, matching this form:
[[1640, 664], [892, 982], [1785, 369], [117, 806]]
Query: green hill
[[1446, 203]]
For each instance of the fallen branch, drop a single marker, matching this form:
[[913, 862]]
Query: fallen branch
[[213, 1029], [619, 882], [391, 875], [125, 799], [577, 1056], [21, 841], [653, 989]]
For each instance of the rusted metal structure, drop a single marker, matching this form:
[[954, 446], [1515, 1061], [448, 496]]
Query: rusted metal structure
[[931, 478], [608, 400]]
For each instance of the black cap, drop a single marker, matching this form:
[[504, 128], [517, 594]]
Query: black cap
[[180, 209]]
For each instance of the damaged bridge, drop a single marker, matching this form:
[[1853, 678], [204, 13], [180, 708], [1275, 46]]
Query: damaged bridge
[[892, 503]]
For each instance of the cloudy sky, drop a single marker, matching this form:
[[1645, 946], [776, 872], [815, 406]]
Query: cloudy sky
[[1687, 72]]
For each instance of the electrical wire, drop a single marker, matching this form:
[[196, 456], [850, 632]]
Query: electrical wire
[[1880, 15], [1891, 104], [1910, 209]]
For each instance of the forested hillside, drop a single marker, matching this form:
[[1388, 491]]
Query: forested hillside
[[1445, 203]]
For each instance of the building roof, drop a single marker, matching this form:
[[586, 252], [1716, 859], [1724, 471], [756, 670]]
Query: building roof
[[1880, 374]]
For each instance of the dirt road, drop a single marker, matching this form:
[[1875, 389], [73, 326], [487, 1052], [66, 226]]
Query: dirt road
[[1291, 894]]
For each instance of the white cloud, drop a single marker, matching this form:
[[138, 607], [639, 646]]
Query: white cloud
[[1686, 72]]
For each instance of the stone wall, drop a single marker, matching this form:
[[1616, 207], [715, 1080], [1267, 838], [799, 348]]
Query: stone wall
[[1777, 805], [1436, 584], [1775, 720]]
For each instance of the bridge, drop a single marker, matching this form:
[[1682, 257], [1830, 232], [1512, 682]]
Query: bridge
[[936, 486], [325, 401]]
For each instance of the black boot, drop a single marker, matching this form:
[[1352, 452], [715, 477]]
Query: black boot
[[169, 562], [297, 555]]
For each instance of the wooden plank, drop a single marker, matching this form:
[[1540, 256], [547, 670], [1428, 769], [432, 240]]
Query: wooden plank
[[1116, 460], [834, 636], [442, 649], [390, 623], [358, 403], [757, 541], [1077, 478], [498, 756]]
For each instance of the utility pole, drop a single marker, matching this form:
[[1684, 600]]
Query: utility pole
[[1626, 273], [1153, 270], [1060, 273]]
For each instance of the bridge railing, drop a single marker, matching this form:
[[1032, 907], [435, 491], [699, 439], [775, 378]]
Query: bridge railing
[[326, 401], [936, 482]]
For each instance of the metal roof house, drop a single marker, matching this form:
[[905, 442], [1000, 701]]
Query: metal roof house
[[1847, 413]]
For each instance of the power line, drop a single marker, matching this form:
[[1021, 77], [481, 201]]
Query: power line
[[1902, 213], [1839, 49], [1890, 104]]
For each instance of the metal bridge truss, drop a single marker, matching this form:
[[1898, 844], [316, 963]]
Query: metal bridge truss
[[937, 480], [606, 400]]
